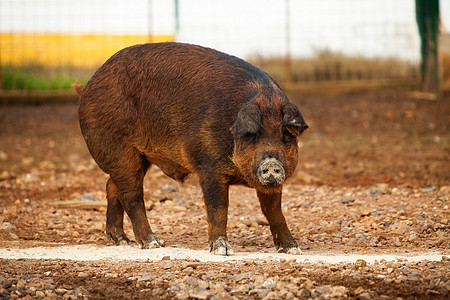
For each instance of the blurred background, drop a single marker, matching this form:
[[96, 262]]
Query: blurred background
[[45, 45]]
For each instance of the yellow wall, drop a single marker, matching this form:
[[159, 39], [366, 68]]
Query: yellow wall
[[66, 49]]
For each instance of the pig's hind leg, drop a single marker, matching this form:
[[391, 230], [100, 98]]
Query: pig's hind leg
[[126, 193], [114, 216]]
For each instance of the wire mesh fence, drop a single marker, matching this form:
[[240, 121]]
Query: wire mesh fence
[[45, 45]]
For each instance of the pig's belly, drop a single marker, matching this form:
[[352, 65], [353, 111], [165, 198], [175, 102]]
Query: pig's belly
[[170, 168]]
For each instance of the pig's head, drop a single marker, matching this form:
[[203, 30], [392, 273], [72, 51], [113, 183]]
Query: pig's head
[[265, 142]]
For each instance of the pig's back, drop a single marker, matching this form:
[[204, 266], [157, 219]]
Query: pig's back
[[184, 70], [157, 93]]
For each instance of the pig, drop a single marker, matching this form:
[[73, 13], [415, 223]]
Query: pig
[[189, 110]]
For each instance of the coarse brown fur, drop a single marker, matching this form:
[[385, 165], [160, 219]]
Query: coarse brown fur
[[187, 109]]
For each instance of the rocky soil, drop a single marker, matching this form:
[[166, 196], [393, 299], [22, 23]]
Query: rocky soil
[[374, 177]]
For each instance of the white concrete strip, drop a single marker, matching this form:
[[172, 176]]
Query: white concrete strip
[[93, 253]]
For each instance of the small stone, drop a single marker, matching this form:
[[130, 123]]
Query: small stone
[[87, 197], [400, 228], [262, 222], [307, 284], [358, 290], [263, 292], [270, 283], [157, 292], [284, 264], [192, 281], [242, 277], [6, 226], [188, 271], [202, 284], [144, 277], [182, 296], [324, 290], [338, 291], [414, 276], [167, 257], [439, 242], [271, 296], [289, 296], [304, 293], [347, 200], [40, 294], [412, 236], [360, 263], [202, 296], [365, 211], [60, 291], [431, 293], [364, 296], [332, 228], [427, 227], [13, 236], [83, 275], [169, 188], [400, 279]]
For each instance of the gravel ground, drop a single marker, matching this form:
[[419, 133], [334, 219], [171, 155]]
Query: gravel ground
[[374, 178]]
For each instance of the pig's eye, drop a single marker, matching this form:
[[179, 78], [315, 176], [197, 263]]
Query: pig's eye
[[249, 137]]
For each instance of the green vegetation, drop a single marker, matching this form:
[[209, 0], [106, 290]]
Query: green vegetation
[[37, 78]]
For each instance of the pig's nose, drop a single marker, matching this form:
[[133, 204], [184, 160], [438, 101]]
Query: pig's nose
[[271, 172]]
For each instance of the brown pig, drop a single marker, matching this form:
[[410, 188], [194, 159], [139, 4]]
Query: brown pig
[[189, 109]]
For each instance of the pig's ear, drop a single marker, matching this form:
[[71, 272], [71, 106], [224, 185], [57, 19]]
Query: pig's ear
[[293, 119], [248, 120]]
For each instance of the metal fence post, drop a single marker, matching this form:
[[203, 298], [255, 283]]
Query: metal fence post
[[427, 16]]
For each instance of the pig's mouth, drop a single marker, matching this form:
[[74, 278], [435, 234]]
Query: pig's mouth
[[271, 173]]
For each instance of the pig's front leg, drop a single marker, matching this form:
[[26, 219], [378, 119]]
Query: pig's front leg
[[215, 196], [282, 237]]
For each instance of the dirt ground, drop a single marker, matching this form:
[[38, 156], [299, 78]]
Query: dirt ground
[[373, 177]]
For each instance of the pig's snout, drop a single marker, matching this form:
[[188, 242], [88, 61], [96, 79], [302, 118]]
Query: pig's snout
[[271, 172]]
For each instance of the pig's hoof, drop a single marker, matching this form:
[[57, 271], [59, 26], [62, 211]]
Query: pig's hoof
[[292, 251], [153, 241], [123, 242], [120, 239], [221, 247]]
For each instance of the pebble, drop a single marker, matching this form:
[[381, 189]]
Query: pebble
[[6, 226], [202, 296], [339, 291], [242, 277], [347, 200], [360, 263], [364, 296], [83, 275], [169, 188], [270, 283], [192, 281], [188, 271]]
